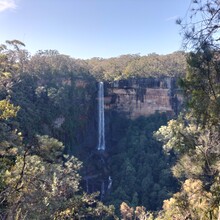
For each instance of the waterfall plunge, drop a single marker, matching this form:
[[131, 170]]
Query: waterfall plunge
[[101, 131]]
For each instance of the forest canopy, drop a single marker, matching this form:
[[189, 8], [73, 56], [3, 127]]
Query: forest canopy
[[43, 98]]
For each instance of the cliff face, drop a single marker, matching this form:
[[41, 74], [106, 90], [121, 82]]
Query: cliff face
[[125, 101], [143, 97]]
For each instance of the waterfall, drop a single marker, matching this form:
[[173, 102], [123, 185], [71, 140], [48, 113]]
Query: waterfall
[[101, 115], [109, 182], [87, 185]]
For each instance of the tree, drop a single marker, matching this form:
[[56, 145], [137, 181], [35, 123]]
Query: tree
[[126, 211], [201, 25], [201, 85], [198, 151], [13, 58], [140, 170], [10, 143], [194, 136], [134, 65], [193, 202], [139, 213], [41, 186]]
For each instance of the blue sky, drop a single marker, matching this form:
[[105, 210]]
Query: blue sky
[[94, 28]]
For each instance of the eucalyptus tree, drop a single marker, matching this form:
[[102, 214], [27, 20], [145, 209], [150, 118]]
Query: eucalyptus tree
[[201, 25], [194, 136]]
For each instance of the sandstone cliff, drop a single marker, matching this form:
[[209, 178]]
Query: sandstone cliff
[[143, 97]]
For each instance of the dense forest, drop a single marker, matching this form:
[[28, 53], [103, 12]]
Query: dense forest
[[126, 66], [162, 168], [39, 91]]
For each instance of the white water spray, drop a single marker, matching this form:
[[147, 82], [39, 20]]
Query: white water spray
[[101, 131], [109, 182]]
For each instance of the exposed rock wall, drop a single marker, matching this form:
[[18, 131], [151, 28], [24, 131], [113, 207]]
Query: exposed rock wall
[[143, 97]]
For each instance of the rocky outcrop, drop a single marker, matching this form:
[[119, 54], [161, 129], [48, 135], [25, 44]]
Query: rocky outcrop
[[143, 97]]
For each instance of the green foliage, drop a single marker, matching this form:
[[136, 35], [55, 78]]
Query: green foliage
[[139, 213], [197, 150], [178, 135], [36, 180], [52, 101], [202, 85], [13, 58], [140, 170], [49, 149], [10, 142], [201, 24], [192, 202], [87, 207], [56, 95], [34, 186], [10, 139], [39, 185], [126, 66], [194, 138], [7, 110]]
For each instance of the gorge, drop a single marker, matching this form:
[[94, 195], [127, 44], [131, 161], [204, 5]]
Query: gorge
[[121, 159], [66, 136], [146, 102]]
